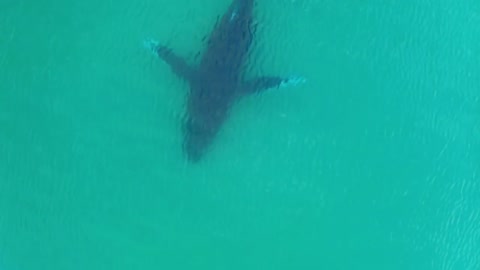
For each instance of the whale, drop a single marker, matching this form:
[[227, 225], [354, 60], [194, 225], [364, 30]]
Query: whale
[[218, 81]]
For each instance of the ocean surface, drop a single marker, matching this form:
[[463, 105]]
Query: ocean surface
[[374, 163]]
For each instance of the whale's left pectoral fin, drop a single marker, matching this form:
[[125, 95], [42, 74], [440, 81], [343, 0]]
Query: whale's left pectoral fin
[[178, 64], [261, 84]]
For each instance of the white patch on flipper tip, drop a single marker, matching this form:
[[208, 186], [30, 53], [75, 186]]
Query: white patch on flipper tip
[[233, 16], [293, 81], [151, 45]]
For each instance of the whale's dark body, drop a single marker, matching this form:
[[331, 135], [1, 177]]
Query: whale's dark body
[[218, 81]]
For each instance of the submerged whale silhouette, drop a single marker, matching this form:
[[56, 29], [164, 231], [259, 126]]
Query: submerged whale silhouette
[[218, 81]]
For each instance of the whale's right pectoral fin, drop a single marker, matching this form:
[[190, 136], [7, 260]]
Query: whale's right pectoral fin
[[178, 65], [260, 84]]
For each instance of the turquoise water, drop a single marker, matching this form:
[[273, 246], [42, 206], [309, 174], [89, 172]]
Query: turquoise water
[[373, 164]]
